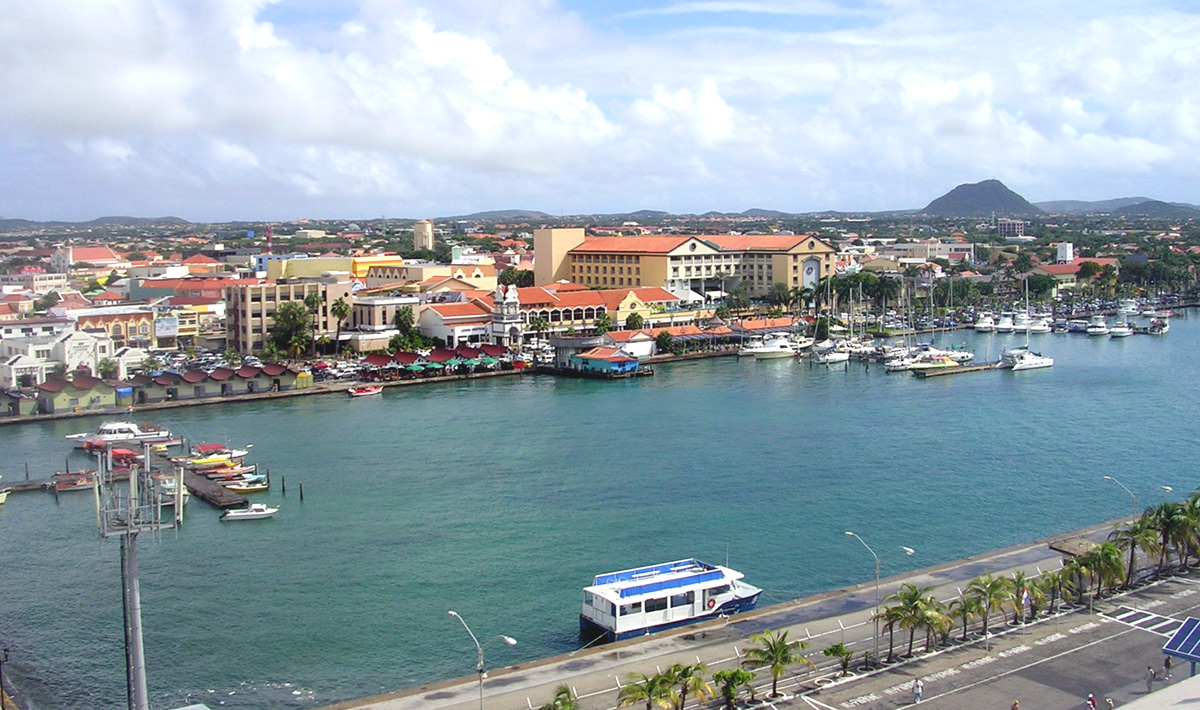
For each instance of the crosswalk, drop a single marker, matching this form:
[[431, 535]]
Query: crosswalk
[[1145, 620]]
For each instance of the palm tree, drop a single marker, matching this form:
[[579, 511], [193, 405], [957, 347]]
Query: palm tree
[[914, 602], [313, 302], [965, 609], [656, 691], [107, 368], [1137, 535], [690, 681], [1020, 584], [540, 326], [1168, 518], [603, 323], [563, 700], [891, 616], [991, 592], [730, 680], [340, 310], [1109, 565], [776, 653], [635, 321]]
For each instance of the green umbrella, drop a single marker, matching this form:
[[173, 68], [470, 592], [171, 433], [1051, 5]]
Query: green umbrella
[[489, 361], [415, 367], [434, 366], [454, 361], [470, 363]]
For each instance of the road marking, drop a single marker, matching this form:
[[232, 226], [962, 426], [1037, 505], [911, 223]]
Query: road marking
[[1184, 593], [1050, 639], [1145, 620]]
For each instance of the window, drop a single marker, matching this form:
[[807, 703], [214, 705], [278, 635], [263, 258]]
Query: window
[[634, 608], [656, 604], [683, 599]]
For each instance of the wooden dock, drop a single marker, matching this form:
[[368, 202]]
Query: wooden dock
[[926, 374], [211, 492]]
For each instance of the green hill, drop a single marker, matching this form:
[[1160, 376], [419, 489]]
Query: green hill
[[981, 199]]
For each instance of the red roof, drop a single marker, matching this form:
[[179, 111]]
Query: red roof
[[194, 376], [606, 355], [404, 358], [221, 374], [377, 360], [460, 310], [271, 369], [200, 259], [246, 372], [439, 355]]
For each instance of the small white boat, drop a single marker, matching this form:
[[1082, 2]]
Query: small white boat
[[985, 324], [1097, 326], [1021, 322], [1005, 324], [1077, 325], [1030, 360], [122, 433], [1040, 325], [1121, 330], [1159, 326], [773, 347], [831, 357], [254, 511], [4, 493]]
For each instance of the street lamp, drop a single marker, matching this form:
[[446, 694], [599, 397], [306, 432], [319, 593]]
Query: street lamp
[[1131, 495], [479, 648], [908, 551]]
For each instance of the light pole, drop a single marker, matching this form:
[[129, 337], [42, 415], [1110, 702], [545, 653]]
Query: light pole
[[479, 648], [1131, 495], [907, 551]]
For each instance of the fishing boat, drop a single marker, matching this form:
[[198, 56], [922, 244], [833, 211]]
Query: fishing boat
[[73, 481], [254, 511], [256, 485], [365, 390], [225, 473], [1159, 326], [1097, 326], [121, 432], [640, 601]]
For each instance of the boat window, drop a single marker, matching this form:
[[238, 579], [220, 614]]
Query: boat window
[[656, 604], [634, 608], [718, 590], [683, 599], [587, 598]]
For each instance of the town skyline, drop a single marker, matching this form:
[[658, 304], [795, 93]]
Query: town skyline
[[273, 110]]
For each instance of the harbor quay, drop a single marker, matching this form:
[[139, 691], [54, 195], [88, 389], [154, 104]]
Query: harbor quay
[[1046, 664]]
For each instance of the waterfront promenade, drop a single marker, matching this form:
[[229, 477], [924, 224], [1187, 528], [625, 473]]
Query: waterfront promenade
[[1048, 663]]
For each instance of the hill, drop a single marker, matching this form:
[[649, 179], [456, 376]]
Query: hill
[[1084, 207], [1158, 210], [981, 199], [499, 216]]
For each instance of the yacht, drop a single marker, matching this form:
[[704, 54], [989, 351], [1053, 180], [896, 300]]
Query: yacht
[[1026, 359], [1005, 324], [1097, 326], [1077, 325], [773, 346], [1128, 307], [1159, 326], [121, 433], [1021, 322], [254, 511], [985, 324], [1040, 325], [640, 601], [1120, 330]]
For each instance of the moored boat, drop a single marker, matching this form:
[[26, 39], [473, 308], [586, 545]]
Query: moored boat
[[985, 324], [365, 390], [640, 601], [121, 432], [1097, 326], [249, 486], [73, 481], [254, 511]]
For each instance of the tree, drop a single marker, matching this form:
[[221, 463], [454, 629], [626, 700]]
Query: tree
[[269, 352], [340, 310], [1088, 270], [723, 312], [842, 654], [521, 278], [563, 700], [731, 680], [689, 680], [891, 617], [291, 325], [404, 320], [656, 691], [779, 294], [603, 323], [919, 610], [635, 321], [775, 653], [149, 364], [313, 303], [739, 297], [1137, 535], [991, 592], [664, 342], [107, 368], [965, 609], [1023, 263], [540, 326], [231, 357]]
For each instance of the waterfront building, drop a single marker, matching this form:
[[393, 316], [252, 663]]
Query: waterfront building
[[221, 382], [681, 263], [29, 360], [250, 307], [81, 392], [372, 320], [130, 324], [605, 362], [1067, 275], [456, 323]]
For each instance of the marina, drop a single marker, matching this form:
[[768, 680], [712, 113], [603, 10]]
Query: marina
[[399, 527]]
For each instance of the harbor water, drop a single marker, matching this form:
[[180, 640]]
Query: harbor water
[[501, 498]]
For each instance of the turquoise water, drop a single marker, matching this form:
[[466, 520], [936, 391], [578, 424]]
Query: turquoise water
[[501, 498]]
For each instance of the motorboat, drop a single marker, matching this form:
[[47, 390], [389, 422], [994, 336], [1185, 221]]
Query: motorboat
[[1077, 325], [73, 481], [934, 362], [1097, 326], [122, 433], [226, 473], [1029, 360], [1122, 329], [365, 390], [1159, 326], [1005, 324], [749, 346], [985, 324], [1021, 322], [4, 493], [643, 600], [1128, 307], [832, 356], [254, 511], [249, 486], [774, 346], [1040, 325]]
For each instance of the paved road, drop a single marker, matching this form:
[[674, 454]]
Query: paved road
[[838, 616]]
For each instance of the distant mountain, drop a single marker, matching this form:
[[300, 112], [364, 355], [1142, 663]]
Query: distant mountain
[[761, 213], [134, 222], [1158, 210], [1083, 207], [499, 215], [981, 199]]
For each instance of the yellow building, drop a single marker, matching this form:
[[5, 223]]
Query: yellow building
[[417, 273], [356, 266], [683, 262]]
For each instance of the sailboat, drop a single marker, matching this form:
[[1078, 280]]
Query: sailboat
[[1024, 358]]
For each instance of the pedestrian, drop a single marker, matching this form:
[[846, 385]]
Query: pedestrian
[[918, 690], [1091, 702], [1149, 679], [1167, 667], [1016, 705], [1109, 702]]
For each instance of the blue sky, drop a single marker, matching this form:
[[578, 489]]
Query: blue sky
[[252, 109]]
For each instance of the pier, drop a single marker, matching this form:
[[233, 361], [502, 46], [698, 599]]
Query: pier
[[926, 374], [211, 492]]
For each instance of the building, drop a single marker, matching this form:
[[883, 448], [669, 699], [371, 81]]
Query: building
[[1010, 227], [1066, 253], [250, 308], [682, 263], [28, 361], [931, 249], [423, 235], [1067, 275], [82, 392], [64, 259], [409, 276], [32, 278]]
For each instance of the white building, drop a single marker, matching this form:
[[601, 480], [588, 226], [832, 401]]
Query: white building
[[1066, 253], [25, 362]]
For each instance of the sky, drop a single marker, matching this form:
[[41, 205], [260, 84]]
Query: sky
[[356, 109]]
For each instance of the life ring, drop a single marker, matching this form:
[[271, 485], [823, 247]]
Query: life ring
[[712, 603]]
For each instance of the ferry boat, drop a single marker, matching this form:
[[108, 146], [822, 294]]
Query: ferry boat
[[640, 601]]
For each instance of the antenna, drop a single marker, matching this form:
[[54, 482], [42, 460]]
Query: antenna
[[125, 513]]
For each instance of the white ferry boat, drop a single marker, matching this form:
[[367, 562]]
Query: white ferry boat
[[636, 602]]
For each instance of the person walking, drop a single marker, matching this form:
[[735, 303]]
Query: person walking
[[918, 690], [1090, 702], [1109, 703], [1016, 705], [1167, 667], [1149, 679]]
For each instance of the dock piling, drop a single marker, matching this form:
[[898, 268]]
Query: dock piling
[[26, 470], [283, 484], [302, 490]]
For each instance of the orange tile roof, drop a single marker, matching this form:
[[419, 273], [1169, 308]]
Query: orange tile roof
[[643, 245], [460, 310], [200, 259], [744, 242]]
